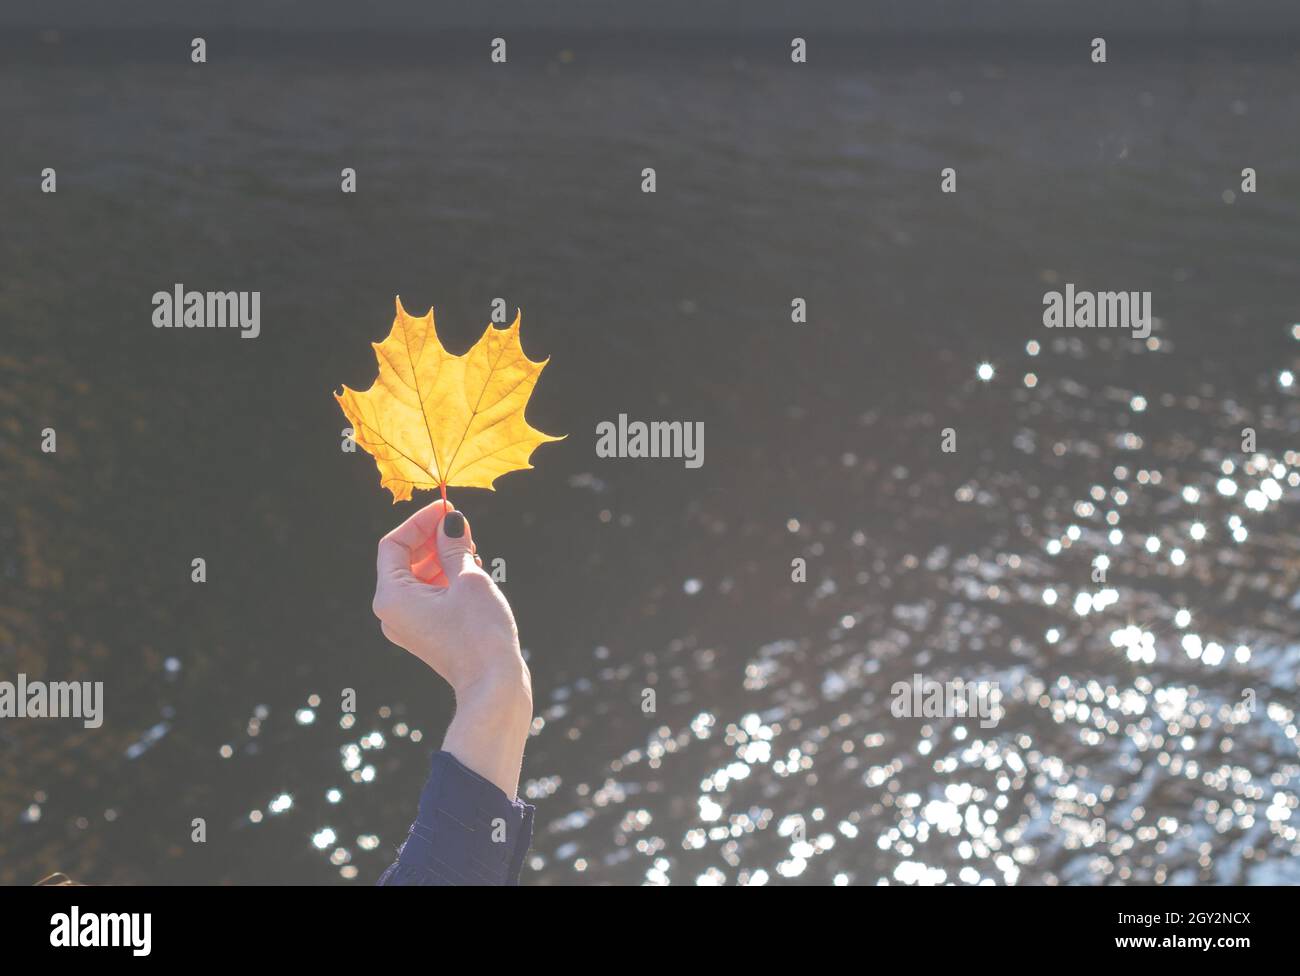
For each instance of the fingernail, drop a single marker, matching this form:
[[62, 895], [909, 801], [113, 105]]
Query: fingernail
[[454, 525]]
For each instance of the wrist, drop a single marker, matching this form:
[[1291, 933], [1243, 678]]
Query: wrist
[[505, 690]]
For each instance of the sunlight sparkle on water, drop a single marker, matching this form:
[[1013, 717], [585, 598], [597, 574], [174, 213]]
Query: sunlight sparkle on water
[[324, 838]]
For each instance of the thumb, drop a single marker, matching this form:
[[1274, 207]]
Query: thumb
[[455, 546]]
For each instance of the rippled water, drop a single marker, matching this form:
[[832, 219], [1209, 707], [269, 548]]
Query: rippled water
[[1147, 731]]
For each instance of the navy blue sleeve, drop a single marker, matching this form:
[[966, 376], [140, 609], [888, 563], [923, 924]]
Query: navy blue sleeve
[[467, 832]]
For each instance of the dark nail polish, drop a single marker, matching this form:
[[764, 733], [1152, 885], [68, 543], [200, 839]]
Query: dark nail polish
[[454, 525]]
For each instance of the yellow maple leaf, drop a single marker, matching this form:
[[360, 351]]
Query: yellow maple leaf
[[432, 419]]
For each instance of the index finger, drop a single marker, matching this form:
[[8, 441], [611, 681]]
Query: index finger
[[397, 548]]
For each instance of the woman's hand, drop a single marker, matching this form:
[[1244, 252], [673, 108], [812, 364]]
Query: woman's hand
[[433, 599]]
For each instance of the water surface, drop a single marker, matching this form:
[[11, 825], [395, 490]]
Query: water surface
[[1126, 749]]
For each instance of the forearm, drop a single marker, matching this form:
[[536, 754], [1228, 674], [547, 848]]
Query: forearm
[[490, 727], [467, 832], [471, 828]]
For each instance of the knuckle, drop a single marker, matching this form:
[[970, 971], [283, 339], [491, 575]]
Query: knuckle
[[473, 578]]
